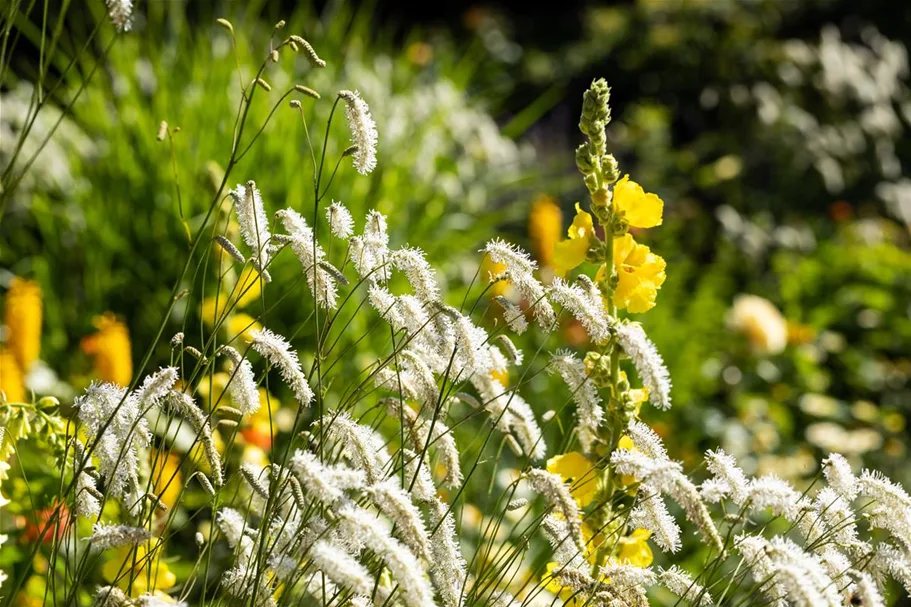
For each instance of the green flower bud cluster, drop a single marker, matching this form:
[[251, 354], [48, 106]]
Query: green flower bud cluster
[[595, 111], [596, 165]]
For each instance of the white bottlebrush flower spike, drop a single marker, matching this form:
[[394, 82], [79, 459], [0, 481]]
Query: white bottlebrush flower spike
[[681, 583], [253, 222], [324, 483], [838, 474], [396, 504], [648, 363], [155, 387], [513, 315], [341, 224], [520, 269], [447, 566], [730, 478], [360, 444], [363, 131], [589, 413], [406, 571], [278, 352], [667, 478], [156, 600], [651, 513], [369, 252], [311, 256], [121, 14], [114, 420], [105, 537], [584, 306], [242, 386], [341, 568], [647, 440], [557, 494], [420, 274]]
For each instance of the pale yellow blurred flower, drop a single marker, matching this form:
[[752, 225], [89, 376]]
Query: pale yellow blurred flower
[[760, 321]]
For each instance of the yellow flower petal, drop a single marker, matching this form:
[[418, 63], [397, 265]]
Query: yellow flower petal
[[568, 254], [583, 226], [634, 549], [640, 274], [212, 309], [119, 567], [640, 209], [501, 375], [576, 469]]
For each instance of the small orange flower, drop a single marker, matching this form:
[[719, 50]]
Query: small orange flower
[[111, 349], [640, 274]]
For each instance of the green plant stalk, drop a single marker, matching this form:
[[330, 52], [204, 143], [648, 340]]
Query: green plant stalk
[[612, 430]]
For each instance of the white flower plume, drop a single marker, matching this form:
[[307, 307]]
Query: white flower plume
[[363, 131]]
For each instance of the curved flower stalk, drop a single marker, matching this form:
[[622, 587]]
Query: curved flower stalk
[[520, 273], [278, 352], [341, 224], [253, 221], [363, 131], [114, 422], [322, 281], [242, 384], [589, 412]]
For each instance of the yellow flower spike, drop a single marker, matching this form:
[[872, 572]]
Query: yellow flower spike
[[569, 254], [640, 274], [111, 349], [249, 286], [11, 381], [640, 209], [576, 469], [545, 222], [634, 549], [22, 317]]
